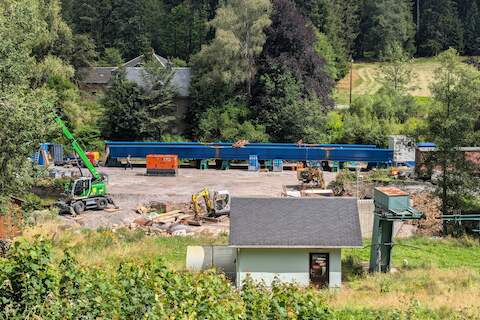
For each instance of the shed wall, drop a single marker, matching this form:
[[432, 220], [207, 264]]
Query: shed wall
[[288, 265]]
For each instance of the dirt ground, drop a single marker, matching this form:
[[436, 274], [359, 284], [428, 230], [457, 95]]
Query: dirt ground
[[130, 188]]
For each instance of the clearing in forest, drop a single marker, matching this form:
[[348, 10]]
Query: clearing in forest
[[366, 74]]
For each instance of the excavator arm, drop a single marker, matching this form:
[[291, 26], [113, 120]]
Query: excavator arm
[[205, 194], [78, 149]]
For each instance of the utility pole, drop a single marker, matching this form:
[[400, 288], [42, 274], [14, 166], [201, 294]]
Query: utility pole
[[418, 24], [418, 16], [351, 81]]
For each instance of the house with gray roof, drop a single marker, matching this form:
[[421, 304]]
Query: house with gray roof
[[99, 79], [295, 240]]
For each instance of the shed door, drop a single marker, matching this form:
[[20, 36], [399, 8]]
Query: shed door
[[319, 273]]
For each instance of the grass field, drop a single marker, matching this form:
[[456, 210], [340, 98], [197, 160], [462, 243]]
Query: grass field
[[365, 79], [434, 274]]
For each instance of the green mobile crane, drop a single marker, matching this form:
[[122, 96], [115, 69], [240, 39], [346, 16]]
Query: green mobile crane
[[85, 192]]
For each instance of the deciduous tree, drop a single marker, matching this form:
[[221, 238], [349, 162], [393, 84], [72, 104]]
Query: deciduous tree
[[291, 43], [396, 69], [224, 68]]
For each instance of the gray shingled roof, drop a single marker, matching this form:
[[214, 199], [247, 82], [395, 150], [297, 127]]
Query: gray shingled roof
[[134, 72], [295, 222], [180, 81], [96, 75], [135, 62]]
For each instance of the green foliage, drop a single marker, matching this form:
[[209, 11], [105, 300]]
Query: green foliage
[[421, 252], [177, 62], [89, 138], [383, 23], [396, 69], [452, 125], [472, 28], [184, 27], [230, 123], [225, 68], [22, 29], [132, 112], [111, 57], [326, 51], [371, 119], [32, 202], [158, 109], [25, 122], [287, 114], [283, 301], [35, 285], [122, 110], [440, 27], [339, 21], [20, 294], [343, 178]]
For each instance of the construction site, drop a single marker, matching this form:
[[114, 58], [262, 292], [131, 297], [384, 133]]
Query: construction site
[[186, 188]]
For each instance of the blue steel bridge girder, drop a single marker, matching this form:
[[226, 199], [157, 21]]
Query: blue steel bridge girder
[[197, 151]]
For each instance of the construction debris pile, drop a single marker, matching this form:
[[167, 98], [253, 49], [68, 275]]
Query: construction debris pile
[[430, 205], [178, 219]]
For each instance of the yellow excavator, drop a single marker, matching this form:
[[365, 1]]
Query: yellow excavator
[[216, 205]]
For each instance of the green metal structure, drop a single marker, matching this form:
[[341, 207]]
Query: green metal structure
[[459, 218], [86, 192], [391, 204]]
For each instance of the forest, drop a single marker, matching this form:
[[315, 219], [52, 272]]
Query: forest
[[266, 70]]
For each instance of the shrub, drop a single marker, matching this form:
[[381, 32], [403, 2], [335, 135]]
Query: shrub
[[283, 301]]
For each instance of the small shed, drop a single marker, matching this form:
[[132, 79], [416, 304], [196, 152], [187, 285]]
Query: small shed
[[293, 239]]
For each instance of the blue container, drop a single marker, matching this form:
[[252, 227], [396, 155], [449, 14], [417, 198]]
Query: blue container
[[277, 165], [253, 164]]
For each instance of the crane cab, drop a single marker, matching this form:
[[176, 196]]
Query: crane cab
[[85, 187]]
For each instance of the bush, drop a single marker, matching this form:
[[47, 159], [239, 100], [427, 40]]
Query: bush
[[34, 285], [283, 301], [32, 202], [338, 186], [352, 267]]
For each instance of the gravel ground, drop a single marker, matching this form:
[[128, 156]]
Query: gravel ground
[[130, 188]]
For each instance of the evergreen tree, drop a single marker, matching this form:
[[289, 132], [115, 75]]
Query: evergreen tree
[[158, 109], [111, 57], [122, 118], [472, 28], [127, 30], [338, 20], [384, 22], [440, 27]]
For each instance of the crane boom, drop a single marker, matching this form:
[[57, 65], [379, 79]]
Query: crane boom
[[78, 149]]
